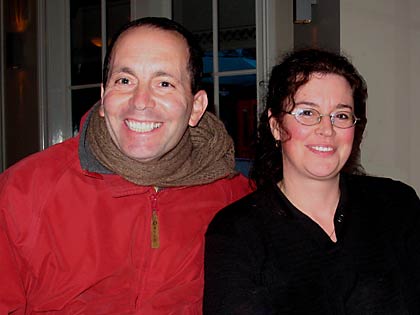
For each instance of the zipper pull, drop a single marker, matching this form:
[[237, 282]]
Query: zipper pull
[[155, 229]]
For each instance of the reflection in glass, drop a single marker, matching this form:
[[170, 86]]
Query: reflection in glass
[[85, 24], [238, 110], [231, 60], [86, 49], [237, 36], [117, 14], [237, 52], [196, 16], [82, 101], [86, 36]]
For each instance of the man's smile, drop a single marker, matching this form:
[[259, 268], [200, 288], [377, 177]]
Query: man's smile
[[138, 126]]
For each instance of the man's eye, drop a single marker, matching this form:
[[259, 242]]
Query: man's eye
[[165, 84], [122, 81]]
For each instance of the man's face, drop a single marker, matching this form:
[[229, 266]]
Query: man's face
[[148, 103]]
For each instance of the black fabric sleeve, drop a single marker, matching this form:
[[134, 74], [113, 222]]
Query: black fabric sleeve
[[233, 257], [411, 202]]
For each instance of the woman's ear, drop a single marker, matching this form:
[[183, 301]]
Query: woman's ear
[[278, 132], [199, 107], [274, 126]]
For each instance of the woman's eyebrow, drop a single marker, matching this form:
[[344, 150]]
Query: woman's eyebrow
[[341, 106], [307, 103], [312, 104]]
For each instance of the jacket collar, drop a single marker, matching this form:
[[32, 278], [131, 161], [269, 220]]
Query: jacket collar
[[88, 161]]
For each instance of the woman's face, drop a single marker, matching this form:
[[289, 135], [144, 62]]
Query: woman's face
[[319, 151]]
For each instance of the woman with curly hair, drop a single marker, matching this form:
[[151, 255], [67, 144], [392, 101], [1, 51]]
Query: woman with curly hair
[[318, 236]]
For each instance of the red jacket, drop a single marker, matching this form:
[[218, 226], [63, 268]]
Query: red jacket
[[77, 242]]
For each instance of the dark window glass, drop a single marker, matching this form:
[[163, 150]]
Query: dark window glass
[[196, 16], [237, 51], [82, 101], [86, 53], [238, 111], [86, 49], [117, 14], [237, 38]]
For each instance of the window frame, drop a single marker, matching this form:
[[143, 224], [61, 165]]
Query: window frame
[[55, 87]]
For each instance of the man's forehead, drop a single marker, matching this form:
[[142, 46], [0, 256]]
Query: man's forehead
[[131, 39], [149, 32]]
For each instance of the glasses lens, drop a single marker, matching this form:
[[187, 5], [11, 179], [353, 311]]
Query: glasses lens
[[307, 116], [343, 119]]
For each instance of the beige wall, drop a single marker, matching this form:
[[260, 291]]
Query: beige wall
[[382, 37]]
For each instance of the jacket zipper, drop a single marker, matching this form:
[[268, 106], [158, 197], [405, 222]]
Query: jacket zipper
[[155, 243]]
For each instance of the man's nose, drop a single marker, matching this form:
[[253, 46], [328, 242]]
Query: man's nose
[[142, 98]]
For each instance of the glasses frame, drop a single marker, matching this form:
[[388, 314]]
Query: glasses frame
[[320, 116]]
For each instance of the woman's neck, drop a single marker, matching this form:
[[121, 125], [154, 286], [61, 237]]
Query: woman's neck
[[318, 199]]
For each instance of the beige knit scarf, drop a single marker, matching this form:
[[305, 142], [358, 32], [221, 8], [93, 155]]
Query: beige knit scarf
[[204, 154]]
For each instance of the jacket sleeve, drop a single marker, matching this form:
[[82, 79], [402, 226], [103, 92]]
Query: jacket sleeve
[[12, 294], [241, 187], [232, 261]]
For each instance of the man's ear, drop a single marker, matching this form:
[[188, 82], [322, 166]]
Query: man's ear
[[275, 127], [101, 107], [199, 107]]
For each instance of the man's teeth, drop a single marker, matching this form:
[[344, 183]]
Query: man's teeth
[[142, 126], [322, 149]]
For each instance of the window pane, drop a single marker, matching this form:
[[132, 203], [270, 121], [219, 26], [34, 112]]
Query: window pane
[[82, 101], [117, 14], [196, 16], [18, 28], [237, 37], [208, 62], [238, 111], [86, 44]]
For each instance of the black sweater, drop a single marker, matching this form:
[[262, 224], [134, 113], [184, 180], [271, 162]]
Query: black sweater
[[264, 256]]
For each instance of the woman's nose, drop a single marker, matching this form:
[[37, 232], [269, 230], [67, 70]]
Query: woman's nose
[[325, 126]]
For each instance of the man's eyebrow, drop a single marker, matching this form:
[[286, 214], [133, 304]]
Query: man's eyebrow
[[123, 70], [162, 74]]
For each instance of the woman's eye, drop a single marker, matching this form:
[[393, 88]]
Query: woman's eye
[[306, 112], [342, 116]]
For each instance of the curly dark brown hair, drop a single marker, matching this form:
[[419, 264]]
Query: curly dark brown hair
[[286, 78]]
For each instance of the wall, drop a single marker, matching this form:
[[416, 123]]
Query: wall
[[324, 29], [382, 38], [142, 8]]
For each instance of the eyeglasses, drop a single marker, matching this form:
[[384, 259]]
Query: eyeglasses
[[310, 117]]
